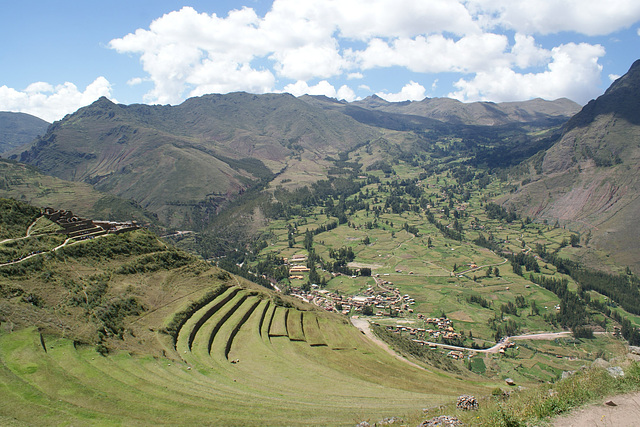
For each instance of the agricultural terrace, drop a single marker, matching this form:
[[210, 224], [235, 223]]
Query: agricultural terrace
[[239, 356]]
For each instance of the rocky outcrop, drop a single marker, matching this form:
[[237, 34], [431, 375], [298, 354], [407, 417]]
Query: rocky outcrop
[[467, 403], [442, 421]]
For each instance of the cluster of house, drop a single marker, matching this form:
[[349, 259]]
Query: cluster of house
[[384, 302], [505, 345], [439, 327], [297, 268], [82, 228]]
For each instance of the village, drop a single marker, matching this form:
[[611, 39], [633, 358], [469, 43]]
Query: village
[[383, 300]]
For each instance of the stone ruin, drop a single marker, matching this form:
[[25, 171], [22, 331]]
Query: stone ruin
[[467, 403], [82, 228]]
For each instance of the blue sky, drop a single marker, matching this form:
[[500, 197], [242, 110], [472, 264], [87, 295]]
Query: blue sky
[[59, 56]]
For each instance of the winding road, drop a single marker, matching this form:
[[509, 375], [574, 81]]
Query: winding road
[[364, 326]]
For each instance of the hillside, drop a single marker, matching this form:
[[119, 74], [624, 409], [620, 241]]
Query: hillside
[[122, 328], [19, 128], [590, 179], [26, 183], [192, 157]]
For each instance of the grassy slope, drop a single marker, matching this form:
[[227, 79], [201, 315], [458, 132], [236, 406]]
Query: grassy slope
[[23, 182], [51, 373]]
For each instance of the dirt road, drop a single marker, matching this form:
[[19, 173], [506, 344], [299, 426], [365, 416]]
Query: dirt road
[[626, 413], [363, 325]]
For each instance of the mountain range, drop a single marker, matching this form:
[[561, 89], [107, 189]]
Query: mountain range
[[207, 150], [188, 162]]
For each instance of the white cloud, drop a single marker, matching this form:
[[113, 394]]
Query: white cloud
[[412, 91], [52, 103], [436, 54], [366, 19], [188, 53], [614, 77], [527, 54], [590, 17], [183, 50], [321, 88], [135, 81], [573, 72], [307, 62]]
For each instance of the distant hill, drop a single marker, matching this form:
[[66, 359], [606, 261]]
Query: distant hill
[[200, 153], [453, 111], [590, 178], [19, 128]]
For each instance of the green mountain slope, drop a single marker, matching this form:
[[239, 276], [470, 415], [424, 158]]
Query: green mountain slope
[[204, 151], [123, 329], [19, 128], [26, 183], [590, 179]]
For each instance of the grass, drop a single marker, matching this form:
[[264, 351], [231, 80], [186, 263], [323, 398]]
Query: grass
[[443, 274], [533, 406], [273, 380]]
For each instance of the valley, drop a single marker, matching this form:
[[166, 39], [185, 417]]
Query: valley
[[323, 262]]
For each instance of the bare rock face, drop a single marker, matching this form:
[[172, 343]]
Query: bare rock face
[[467, 403]]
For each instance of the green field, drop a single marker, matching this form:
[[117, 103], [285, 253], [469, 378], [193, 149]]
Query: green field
[[440, 273]]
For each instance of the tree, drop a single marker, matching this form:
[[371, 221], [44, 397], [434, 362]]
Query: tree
[[308, 240], [496, 272], [534, 308], [489, 271], [574, 240]]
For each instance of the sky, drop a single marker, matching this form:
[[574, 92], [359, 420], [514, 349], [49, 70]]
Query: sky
[[58, 56]]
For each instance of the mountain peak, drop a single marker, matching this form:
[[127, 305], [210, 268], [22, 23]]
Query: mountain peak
[[622, 99]]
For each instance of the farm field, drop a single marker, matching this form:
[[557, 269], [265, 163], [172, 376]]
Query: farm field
[[402, 230]]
